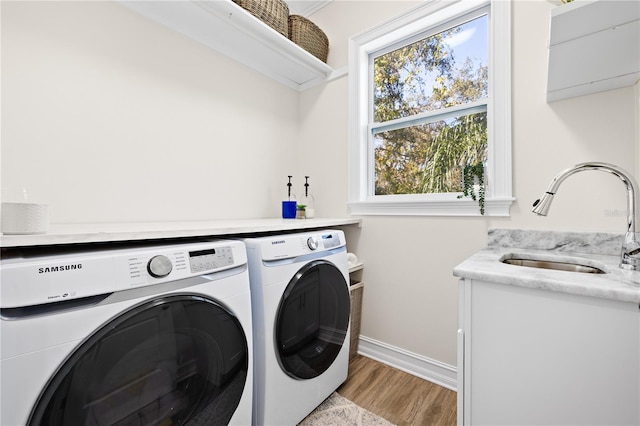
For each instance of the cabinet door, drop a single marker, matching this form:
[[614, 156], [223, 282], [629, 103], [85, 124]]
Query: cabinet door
[[540, 357]]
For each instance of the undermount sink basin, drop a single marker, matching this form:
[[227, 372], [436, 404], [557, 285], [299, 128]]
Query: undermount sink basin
[[553, 264]]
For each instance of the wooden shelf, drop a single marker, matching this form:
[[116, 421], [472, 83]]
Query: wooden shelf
[[229, 29], [594, 46]]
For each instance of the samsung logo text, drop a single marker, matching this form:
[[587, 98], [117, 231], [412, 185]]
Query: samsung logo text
[[61, 268]]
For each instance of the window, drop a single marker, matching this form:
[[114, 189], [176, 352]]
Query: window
[[430, 94]]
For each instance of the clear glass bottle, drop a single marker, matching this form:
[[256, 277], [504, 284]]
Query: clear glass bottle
[[308, 200]]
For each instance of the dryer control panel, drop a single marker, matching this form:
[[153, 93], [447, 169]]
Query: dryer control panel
[[294, 245]]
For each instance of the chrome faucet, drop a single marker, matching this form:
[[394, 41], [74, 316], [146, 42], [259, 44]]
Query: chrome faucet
[[630, 256]]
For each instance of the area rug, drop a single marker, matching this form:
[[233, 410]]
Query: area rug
[[338, 410]]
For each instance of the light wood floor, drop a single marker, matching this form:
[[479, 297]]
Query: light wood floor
[[399, 397]]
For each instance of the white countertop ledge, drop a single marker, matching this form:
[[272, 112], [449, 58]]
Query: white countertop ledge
[[615, 284], [115, 232]]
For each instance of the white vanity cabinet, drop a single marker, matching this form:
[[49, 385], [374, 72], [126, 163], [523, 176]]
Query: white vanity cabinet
[[534, 356]]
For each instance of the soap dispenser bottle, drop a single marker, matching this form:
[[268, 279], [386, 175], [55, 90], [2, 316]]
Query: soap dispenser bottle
[[308, 200], [289, 206]]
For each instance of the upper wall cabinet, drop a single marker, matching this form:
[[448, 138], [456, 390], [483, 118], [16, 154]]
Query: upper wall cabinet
[[229, 29], [593, 46]]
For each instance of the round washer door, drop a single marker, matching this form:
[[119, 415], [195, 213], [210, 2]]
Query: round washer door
[[312, 320], [172, 360]]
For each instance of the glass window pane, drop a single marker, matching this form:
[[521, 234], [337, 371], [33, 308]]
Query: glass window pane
[[430, 157], [445, 69]]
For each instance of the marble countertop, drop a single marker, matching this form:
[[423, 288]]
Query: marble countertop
[[114, 232], [601, 250]]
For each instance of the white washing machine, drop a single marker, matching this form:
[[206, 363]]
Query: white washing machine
[[301, 308], [128, 336]]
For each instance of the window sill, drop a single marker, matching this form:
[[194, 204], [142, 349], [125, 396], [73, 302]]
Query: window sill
[[495, 207]]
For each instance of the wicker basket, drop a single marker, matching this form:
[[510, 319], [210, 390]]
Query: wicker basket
[[274, 13], [307, 35], [355, 292]]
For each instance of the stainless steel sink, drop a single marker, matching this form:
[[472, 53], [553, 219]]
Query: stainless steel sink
[[552, 264]]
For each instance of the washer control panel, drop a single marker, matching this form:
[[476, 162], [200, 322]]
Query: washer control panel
[[180, 263], [214, 258], [56, 277]]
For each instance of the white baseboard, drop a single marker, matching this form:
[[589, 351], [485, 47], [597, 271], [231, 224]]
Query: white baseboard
[[426, 368]]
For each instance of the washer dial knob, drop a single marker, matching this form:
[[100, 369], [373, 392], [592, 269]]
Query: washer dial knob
[[159, 266], [311, 243]]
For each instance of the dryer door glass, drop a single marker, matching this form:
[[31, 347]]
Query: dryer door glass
[[312, 320], [173, 360]]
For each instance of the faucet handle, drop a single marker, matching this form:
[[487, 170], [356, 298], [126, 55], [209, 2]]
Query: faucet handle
[[630, 257]]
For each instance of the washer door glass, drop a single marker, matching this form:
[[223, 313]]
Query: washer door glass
[[312, 320], [173, 360]]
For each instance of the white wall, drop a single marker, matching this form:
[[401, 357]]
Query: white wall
[[410, 295], [109, 117]]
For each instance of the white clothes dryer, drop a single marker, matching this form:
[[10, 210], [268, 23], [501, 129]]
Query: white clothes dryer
[[301, 308], [126, 336]]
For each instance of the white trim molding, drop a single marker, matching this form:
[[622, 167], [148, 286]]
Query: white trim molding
[[428, 369], [496, 207]]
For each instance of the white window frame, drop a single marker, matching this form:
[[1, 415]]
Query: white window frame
[[432, 14]]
